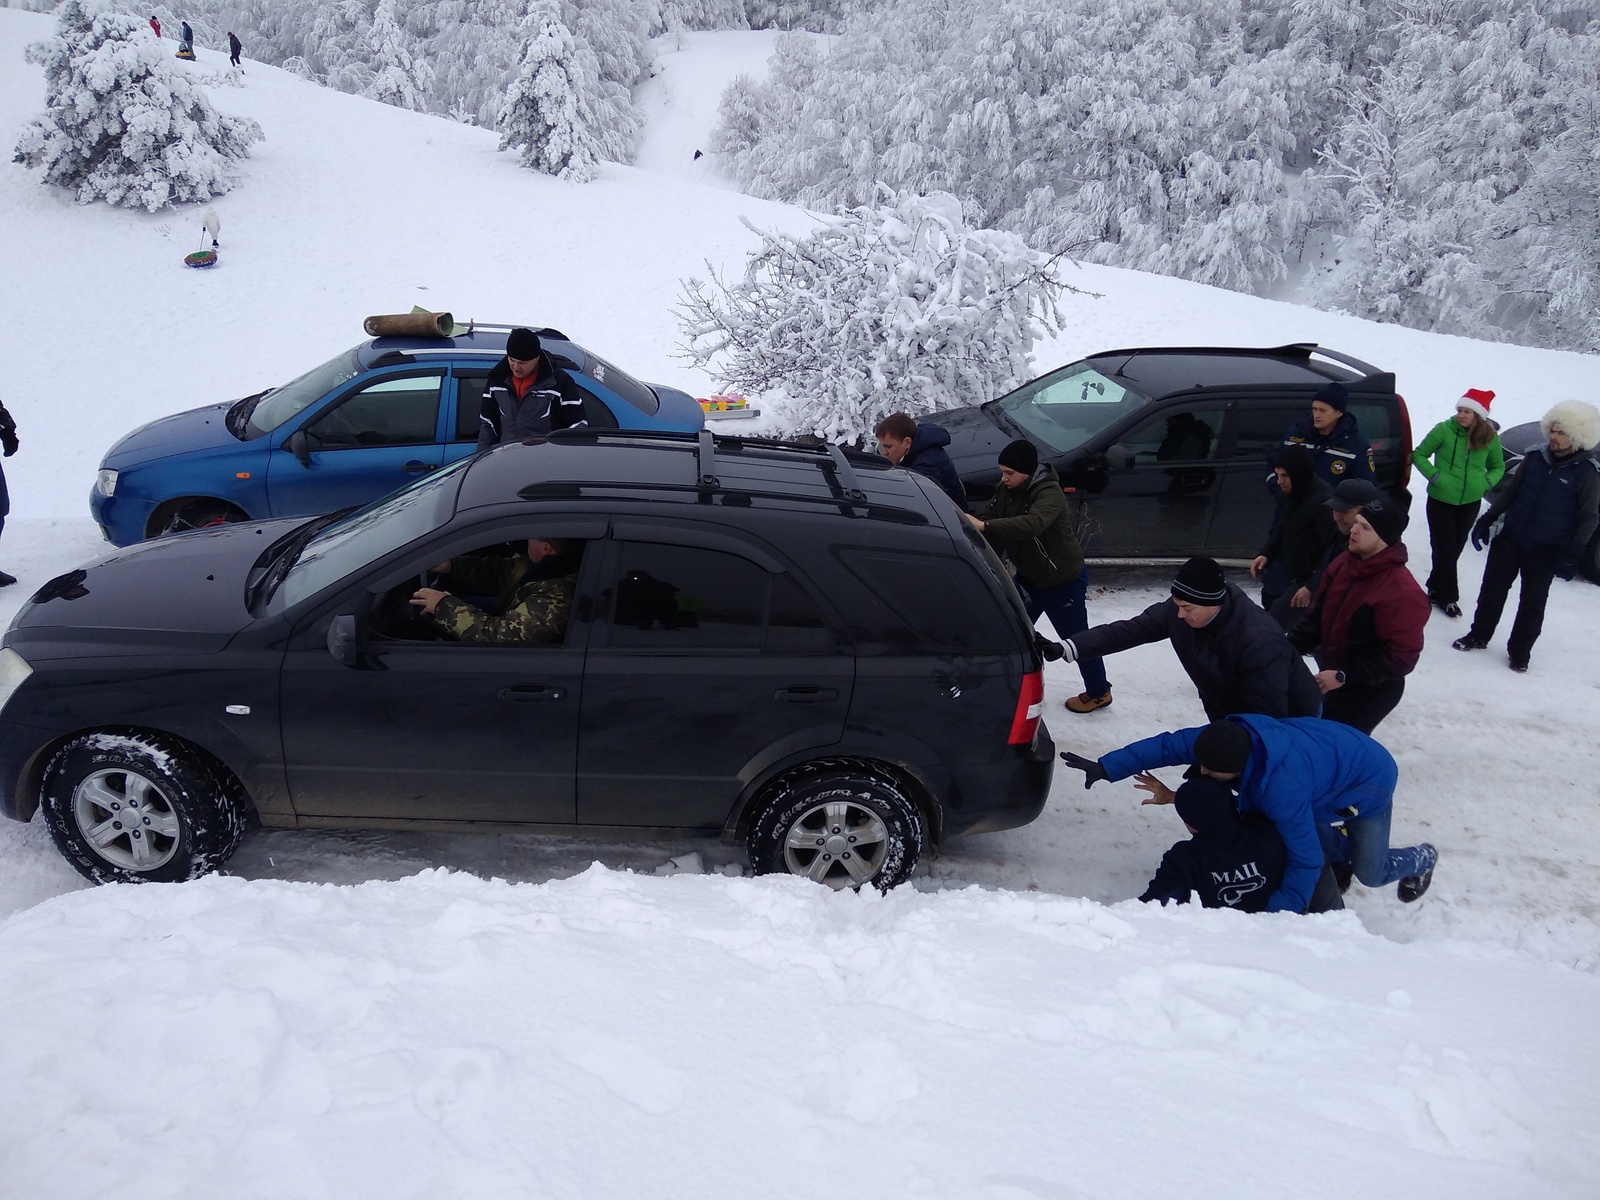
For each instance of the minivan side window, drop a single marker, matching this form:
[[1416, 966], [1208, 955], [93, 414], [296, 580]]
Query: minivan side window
[[669, 597], [941, 598], [1259, 428], [1182, 435]]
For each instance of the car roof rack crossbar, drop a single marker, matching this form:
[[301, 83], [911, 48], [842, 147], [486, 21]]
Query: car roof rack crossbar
[[725, 443], [843, 475], [557, 489]]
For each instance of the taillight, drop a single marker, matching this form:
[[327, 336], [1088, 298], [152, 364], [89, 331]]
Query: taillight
[[1405, 442], [1030, 707]]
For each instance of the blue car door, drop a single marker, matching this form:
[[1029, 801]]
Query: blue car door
[[362, 444]]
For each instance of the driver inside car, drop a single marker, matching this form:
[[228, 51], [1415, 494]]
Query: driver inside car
[[533, 595]]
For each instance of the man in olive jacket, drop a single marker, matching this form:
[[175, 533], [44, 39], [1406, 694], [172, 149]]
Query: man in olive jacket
[[1236, 654], [1029, 524]]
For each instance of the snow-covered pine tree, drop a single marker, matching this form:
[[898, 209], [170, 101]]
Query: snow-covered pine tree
[[398, 78], [898, 306], [547, 111], [122, 124]]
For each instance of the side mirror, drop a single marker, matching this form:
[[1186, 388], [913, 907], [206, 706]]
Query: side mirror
[[297, 446], [343, 642], [1118, 457]]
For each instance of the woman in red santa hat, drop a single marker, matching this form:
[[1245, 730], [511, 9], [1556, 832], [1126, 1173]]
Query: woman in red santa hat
[[1461, 460]]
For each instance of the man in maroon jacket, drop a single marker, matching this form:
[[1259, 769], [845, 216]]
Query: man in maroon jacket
[[1365, 622]]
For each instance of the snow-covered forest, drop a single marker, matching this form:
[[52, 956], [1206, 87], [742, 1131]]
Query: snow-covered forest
[[1427, 163]]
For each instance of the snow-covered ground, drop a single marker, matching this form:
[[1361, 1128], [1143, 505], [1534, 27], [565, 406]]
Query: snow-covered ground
[[385, 1014]]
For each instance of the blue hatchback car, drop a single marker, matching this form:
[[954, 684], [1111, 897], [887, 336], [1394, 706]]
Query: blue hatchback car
[[359, 426]]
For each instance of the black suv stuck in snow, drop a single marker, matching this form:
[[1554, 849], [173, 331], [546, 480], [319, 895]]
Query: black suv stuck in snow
[[794, 646], [1164, 450]]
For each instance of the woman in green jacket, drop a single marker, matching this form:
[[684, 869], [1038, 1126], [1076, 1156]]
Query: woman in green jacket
[[1461, 459]]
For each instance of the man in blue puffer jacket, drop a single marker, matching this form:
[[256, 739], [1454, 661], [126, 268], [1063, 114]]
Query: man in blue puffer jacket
[[1319, 782], [920, 447]]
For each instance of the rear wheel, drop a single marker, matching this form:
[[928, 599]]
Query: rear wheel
[[197, 514], [843, 825], [139, 807]]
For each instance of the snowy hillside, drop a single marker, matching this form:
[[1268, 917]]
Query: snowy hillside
[[382, 1014]]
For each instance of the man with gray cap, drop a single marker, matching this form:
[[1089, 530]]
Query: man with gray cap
[[1366, 620], [1237, 655], [527, 395], [1327, 788], [1028, 523], [1338, 448]]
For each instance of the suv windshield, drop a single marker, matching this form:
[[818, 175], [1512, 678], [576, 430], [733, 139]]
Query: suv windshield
[[1066, 408], [367, 534], [282, 403]]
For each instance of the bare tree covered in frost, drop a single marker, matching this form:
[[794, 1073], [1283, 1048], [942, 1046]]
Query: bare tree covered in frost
[[548, 111], [893, 307], [122, 124]]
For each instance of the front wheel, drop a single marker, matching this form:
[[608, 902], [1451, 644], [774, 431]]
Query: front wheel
[[138, 807], [199, 514], [844, 826]]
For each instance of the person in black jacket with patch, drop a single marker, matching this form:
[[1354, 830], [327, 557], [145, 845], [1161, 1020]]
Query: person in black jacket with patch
[[920, 447], [527, 395], [1339, 450], [1238, 656], [1301, 534], [1229, 862]]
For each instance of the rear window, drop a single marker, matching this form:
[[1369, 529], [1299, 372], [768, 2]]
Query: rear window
[[942, 599], [619, 383]]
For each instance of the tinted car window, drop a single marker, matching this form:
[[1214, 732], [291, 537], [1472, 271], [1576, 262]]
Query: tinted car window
[[686, 597], [391, 412], [795, 625], [295, 396], [941, 598], [1177, 435], [1259, 429], [1067, 407], [469, 404], [1374, 422]]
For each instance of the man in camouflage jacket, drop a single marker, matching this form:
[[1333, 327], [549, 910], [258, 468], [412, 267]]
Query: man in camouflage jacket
[[532, 605]]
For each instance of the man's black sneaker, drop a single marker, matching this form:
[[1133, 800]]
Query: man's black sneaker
[[1520, 666], [1343, 873], [1468, 642], [1452, 610], [7, 580], [1413, 886]]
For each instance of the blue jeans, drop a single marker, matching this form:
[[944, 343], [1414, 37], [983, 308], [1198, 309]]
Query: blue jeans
[[1365, 845], [1067, 606]]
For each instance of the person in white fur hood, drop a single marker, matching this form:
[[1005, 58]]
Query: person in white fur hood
[[1551, 506]]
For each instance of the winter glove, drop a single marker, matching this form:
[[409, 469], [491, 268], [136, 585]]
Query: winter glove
[[1093, 772], [10, 445], [1069, 652], [1480, 531]]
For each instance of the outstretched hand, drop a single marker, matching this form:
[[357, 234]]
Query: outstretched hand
[[1093, 772], [1160, 793]]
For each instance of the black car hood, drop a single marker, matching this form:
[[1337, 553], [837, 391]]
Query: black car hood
[[976, 439], [184, 589], [181, 433]]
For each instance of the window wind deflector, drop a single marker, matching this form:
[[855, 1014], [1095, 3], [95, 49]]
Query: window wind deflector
[[391, 358]]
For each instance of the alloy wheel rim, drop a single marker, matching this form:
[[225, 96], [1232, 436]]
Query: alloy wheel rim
[[128, 819], [838, 842]]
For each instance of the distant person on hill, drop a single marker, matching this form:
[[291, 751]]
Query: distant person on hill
[[8, 439], [1365, 623], [527, 395], [186, 39], [235, 48], [1551, 506], [1462, 460], [920, 447], [1338, 448], [1299, 538], [1237, 656], [155, 24]]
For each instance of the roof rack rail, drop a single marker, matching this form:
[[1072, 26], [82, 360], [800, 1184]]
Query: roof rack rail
[[566, 489], [731, 443]]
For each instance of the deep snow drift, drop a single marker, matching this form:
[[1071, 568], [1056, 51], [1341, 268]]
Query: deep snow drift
[[590, 1033]]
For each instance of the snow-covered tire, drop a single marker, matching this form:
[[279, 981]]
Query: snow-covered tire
[[138, 807], [844, 825]]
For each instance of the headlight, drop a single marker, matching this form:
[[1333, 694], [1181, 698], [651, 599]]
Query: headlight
[[105, 481], [13, 670]]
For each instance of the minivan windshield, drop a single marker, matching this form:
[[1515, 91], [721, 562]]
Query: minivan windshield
[[369, 533], [278, 405], [1066, 408]]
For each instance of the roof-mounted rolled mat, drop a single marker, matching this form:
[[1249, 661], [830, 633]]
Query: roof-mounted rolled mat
[[411, 324]]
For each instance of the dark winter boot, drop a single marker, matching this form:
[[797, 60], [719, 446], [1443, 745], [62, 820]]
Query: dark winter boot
[[1343, 873], [1413, 886], [1452, 610], [1468, 642]]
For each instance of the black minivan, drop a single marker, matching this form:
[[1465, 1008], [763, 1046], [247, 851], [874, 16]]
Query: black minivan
[[794, 646], [1164, 451]]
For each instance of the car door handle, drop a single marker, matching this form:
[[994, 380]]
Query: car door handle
[[418, 465], [531, 691], [805, 694]]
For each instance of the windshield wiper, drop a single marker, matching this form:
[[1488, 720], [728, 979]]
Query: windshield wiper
[[283, 556], [1002, 418]]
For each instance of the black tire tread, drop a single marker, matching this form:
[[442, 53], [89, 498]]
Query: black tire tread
[[797, 790]]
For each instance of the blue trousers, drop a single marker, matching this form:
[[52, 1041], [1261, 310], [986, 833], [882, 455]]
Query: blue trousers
[[1067, 606], [1365, 845]]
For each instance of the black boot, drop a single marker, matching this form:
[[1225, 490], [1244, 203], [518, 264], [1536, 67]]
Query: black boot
[[1412, 886]]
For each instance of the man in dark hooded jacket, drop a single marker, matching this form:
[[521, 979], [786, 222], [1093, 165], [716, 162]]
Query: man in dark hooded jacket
[[527, 395], [1237, 656], [920, 447], [1028, 522], [1229, 862], [1301, 533], [1338, 448]]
